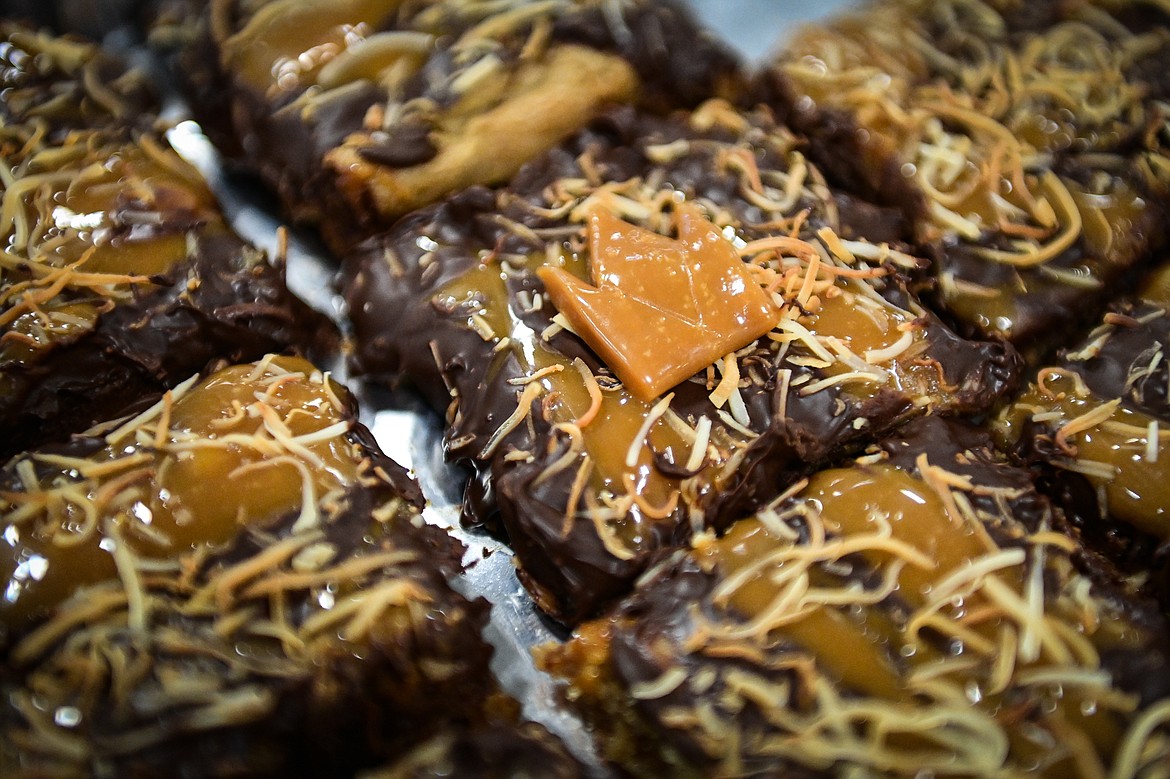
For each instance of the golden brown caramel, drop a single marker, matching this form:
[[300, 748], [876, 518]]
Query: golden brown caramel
[[1156, 287], [660, 309], [839, 641], [971, 116], [285, 45], [607, 420], [1119, 450], [244, 448]]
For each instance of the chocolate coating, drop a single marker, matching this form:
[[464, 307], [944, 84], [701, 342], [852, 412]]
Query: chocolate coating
[[225, 302], [1090, 426], [121, 278], [1010, 94]]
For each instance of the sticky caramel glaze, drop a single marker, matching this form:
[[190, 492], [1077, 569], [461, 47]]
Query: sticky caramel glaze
[[360, 111], [319, 639], [607, 437], [1112, 449], [1116, 223], [220, 457], [919, 598], [859, 650], [283, 47], [452, 300]]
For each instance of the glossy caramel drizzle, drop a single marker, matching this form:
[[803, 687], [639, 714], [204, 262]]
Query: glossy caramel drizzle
[[287, 43], [244, 448], [830, 317], [975, 120]]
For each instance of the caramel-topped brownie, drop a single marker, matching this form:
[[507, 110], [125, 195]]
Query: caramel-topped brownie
[[1022, 137], [912, 613], [358, 111], [234, 582], [653, 327], [120, 276], [1091, 423]]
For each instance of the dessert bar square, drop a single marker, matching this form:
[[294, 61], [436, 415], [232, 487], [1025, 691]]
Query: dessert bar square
[[235, 581], [359, 111], [656, 326], [913, 611], [120, 276]]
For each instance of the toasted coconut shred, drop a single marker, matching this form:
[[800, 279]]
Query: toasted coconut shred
[[158, 619], [47, 291]]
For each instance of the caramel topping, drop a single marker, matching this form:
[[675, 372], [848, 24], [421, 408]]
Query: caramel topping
[[975, 115], [286, 44], [246, 447], [839, 642], [1117, 449], [1156, 287], [607, 454], [661, 309]]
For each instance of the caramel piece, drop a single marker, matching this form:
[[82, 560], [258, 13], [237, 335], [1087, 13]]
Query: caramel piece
[[659, 308]]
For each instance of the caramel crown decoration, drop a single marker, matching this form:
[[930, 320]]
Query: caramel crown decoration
[[659, 308]]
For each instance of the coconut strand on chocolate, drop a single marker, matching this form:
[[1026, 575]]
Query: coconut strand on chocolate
[[647, 240], [121, 277], [1090, 424], [912, 611]]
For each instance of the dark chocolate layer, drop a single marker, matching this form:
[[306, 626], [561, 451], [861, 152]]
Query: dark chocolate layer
[[1091, 426], [121, 277], [1024, 140], [313, 641]]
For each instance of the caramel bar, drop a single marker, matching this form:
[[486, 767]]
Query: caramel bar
[[120, 276], [539, 317], [359, 111], [1023, 138], [912, 612], [1091, 425], [233, 582]]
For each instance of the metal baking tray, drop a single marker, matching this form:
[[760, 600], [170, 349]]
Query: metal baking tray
[[409, 432]]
